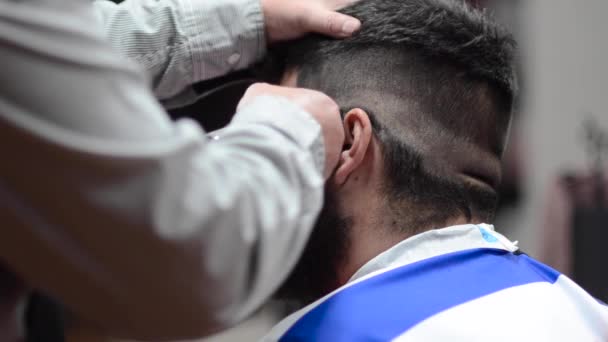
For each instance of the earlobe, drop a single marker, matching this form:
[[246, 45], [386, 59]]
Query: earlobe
[[358, 134]]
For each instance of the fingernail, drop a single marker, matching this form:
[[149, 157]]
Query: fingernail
[[350, 26]]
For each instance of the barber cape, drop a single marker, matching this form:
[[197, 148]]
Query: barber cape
[[461, 283]]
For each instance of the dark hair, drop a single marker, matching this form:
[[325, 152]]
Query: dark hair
[[429, 72]]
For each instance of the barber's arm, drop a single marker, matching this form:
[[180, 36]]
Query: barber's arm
[[142, 227], [182, 42]]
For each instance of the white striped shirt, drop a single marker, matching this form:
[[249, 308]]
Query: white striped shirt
[[114, 209]]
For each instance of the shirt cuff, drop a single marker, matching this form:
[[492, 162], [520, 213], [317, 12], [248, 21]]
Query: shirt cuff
[[291, 120], [223, 36]]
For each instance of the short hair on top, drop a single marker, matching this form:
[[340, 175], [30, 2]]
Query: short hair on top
[[432, 74]]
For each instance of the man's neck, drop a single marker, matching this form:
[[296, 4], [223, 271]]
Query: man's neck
[[369, 239]]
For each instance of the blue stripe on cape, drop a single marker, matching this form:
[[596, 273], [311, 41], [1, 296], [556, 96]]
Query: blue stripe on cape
[[387, 305]]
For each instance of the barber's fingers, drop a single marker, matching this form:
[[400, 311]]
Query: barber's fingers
[[323, 20], [291, 19], [336, 4], [321, 107]]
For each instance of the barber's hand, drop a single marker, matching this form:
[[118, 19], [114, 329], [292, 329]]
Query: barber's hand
[[320, 106], [290, 19]]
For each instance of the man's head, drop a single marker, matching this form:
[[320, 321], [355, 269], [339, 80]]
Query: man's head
[[426, 89]]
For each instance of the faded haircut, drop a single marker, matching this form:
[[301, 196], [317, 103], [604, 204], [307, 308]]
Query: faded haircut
[[440, 63]]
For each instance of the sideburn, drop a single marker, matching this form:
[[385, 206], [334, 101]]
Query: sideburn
[[315, 274]]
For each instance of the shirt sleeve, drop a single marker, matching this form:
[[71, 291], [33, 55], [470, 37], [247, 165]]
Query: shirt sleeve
[[143, 227], [181, 42]]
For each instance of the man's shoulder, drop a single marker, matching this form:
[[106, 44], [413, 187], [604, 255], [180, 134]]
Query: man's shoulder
[[454, 293]]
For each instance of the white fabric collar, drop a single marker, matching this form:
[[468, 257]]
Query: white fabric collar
[[433, 243]]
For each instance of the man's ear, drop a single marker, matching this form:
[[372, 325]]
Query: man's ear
[[357, 137]]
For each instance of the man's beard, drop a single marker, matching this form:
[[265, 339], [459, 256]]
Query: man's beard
[[416, 200], [315, 274]]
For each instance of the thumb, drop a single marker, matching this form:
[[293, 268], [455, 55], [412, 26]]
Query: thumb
[[331, 23]]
